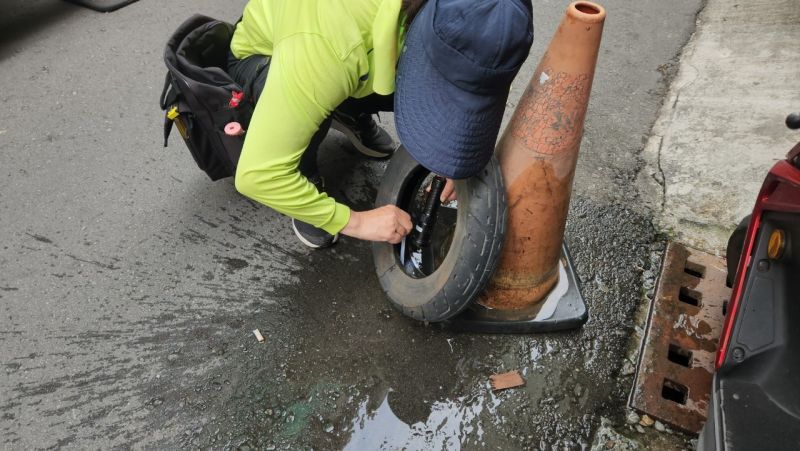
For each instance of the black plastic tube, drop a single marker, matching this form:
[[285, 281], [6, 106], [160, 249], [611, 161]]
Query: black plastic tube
[[424, 229]]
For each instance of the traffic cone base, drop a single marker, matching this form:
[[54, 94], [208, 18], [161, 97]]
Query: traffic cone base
[[563, 308]]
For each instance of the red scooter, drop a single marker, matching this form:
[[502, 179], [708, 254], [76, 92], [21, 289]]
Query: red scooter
[[756, 389]]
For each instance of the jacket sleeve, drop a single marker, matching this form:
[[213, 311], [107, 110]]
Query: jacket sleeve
[[306, 82]]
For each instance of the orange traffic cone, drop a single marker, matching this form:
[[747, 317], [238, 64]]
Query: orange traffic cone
[[533, 288]]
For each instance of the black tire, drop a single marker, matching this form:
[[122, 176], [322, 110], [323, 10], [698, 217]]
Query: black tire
[[735, 248], [473, 253]]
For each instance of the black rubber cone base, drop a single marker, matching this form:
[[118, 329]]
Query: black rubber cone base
[[563, 309], [103, 6]]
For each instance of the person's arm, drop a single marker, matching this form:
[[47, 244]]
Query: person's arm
[[305, 83]]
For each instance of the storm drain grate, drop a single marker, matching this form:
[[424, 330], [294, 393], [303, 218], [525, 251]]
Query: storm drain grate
[[673, 380]]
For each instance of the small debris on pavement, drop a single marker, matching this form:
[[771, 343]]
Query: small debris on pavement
[[632, 417], [608, 438], [510, 379], [627, 369], [646, 421], [258, 335], [639, 429], [660, 426]]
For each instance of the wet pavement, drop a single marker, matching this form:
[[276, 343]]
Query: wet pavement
[[130, 284]]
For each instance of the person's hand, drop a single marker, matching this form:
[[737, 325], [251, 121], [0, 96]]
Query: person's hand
[[448, 193], [387, 223]]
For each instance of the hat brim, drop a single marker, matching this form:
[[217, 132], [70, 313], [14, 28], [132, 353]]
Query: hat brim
[[449, 131]]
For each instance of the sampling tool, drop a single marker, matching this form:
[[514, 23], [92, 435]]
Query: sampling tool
[[412, 251]]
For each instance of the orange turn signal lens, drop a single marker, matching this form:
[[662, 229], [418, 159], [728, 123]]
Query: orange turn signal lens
[[777, 242]]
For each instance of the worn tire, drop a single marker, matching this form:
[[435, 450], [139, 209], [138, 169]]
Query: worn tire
[[473, 254]]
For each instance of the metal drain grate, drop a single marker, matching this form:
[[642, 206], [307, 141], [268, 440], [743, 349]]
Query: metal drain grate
[[676, 363]]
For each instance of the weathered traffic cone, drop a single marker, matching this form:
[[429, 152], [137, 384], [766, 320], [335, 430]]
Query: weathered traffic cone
[[538, 153]]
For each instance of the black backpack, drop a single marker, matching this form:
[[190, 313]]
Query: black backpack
[[199, 96]]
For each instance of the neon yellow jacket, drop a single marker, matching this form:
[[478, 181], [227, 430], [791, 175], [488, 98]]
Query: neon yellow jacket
[[323, 51]]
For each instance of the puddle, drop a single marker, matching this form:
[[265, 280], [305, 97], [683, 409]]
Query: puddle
[[450, 425]]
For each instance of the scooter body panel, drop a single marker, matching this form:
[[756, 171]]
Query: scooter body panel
[[755, 402]]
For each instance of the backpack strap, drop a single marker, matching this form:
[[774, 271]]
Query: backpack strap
[[169, 95], [167, 129], [169, 98]]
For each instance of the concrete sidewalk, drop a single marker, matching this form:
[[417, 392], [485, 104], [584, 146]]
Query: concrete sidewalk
[[722, 124]]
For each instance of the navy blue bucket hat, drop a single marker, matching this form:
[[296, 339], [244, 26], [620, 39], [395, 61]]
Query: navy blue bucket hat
[[453, 80]]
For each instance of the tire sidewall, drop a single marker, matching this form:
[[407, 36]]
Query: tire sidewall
[[473, 254]]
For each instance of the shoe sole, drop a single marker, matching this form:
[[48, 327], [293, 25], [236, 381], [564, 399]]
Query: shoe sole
[[309, 243], [364, 150]]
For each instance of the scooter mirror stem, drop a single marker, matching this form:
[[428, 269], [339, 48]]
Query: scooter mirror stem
[[793, 121]]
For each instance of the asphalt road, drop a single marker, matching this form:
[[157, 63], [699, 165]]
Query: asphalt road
[[130, 283]]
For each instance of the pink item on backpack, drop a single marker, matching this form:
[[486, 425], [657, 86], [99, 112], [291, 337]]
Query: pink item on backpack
[[234, 129]]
